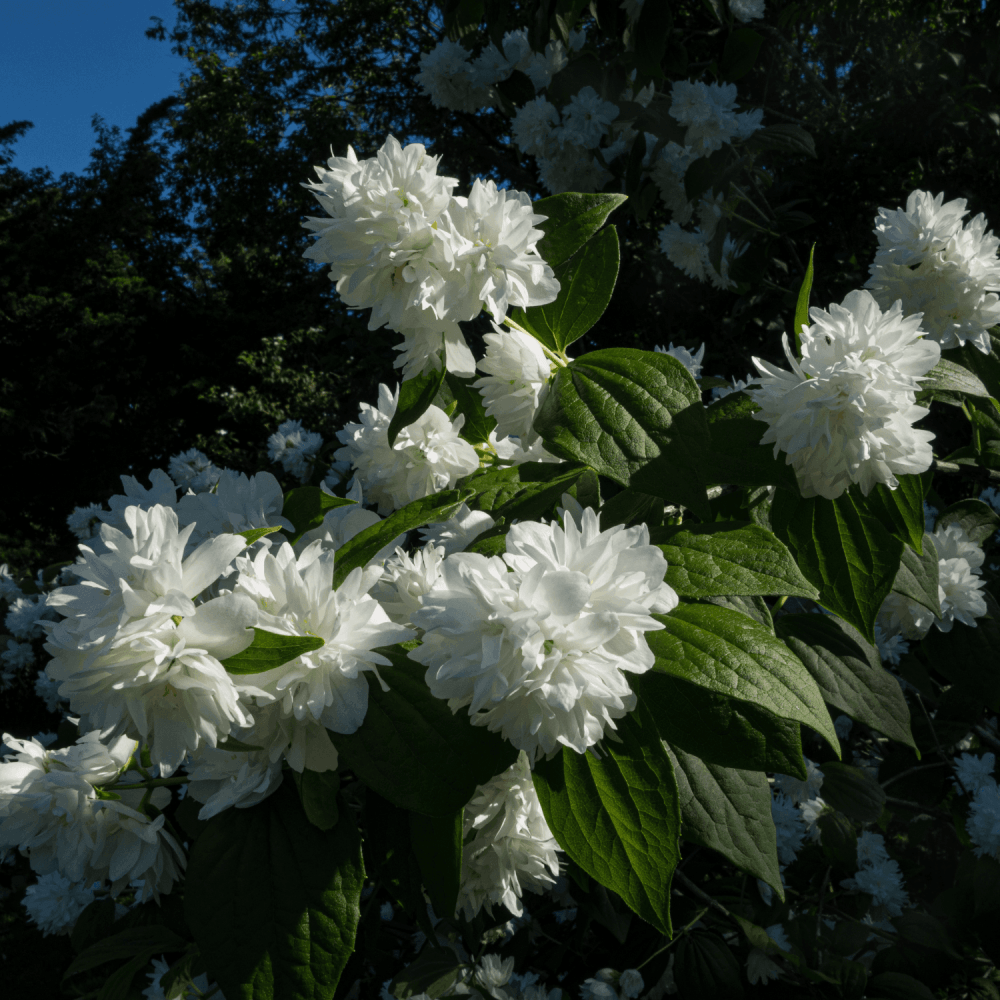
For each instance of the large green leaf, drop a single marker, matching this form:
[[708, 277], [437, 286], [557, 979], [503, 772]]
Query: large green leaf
[[736, 454], [852, 791], [306, 506], [901, 510], [572, 220], [586, 283], [364, 546], [733, 655], [413, 751], [632, 507], [434, 972], [437, 846], [269, 650], [718, 729], [729, 557], [318, 791], [847, 554], [415, 395], [848, 671], [633, 416], [126, 944], [469, 403], [986, 367], [706, 968], [618, 817], [273, 900], [802, 303], [917, 578], [729, 810], [529, 491]]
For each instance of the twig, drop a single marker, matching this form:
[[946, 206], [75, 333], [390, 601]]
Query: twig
[[971, 471], [675, 938], [822, 895], [911, 770], [703, 896], [930, 810], [984, 734]]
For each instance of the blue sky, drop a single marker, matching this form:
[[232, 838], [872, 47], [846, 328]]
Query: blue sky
[[63, 60]]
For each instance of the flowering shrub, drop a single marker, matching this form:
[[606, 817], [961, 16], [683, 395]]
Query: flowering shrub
[[540, 648]]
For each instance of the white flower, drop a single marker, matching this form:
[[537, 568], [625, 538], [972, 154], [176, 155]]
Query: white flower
[[496, 260], [586, 119], [631, 983], [121, 655], [512, 452], [871, 849], [194, 469], [845, 414], [431, 349], [692, 362], [459, 531], [493, 973], [296, 597], [789, 826], [490, 67], [18, 655], [760, 968], [224, 778], [939, 268], [843, 725], [535, 643], [341, 524], [572, 168], [597, 989], [797, 789], [668, 174], [9, 590], [508, 845], [983, 826], [974, 772], [516, 382], [746, 10], [686, 251], [449, 80], [238, 503], [893, 647], [81, 522], [405, 579], [736, 385], [54, 903], [883, 881], [155, 991], [293, 446], [534, 127], [24, 616], [161, 493], [709, 112], [48, 690], [427, 456]]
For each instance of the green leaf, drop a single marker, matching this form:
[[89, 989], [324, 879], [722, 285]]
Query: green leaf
[[572, 220], [118, 985], [901, 510], [736, 454], [948, 376], [306, 506], [319, 791], [898, 986], [389, 854], [720, 730], [364, 546], [729, 810], [413, 751], [852, 791], [706, 968], [731, 557], [633, 416], [731, 654], [978, 519], [435, 972], [754, 607], [437, 845], [586, 283], [126, 944], [652, 31], [917, 578], [273, 901], [477, 426], [528, 492], [802, 303], [618, 817], [708, 173], [782, 139], [94, 923], [847, 554], [415, 395], [269, 650], [849, 672], [739, 55], [253, 534], [631, 507], [986, 367], [838, 839]]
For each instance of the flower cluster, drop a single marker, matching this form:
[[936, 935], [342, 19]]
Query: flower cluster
[[845, 413], [294, 447], [535, 643], [879, 876], [947, 272], [423, 260]]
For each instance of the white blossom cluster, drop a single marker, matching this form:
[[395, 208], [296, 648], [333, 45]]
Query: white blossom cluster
[[795, 807], [947, 272], [54, 902], [845, 413], [960, 593], [535, 643], [294, 447], [423, 260], [879, 876], [50, 809], [508, 845]]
